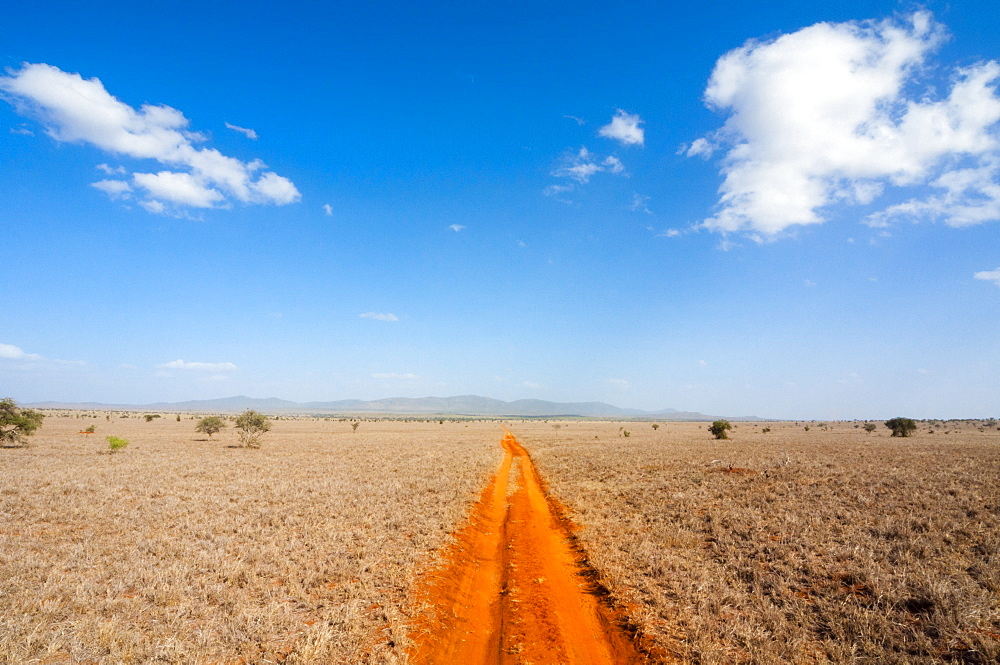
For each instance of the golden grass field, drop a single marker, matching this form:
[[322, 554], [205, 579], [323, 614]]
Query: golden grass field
[[792, 546]]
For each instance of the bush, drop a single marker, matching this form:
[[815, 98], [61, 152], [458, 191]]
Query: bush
[[252, 426], [655, 427], [116, 444], [17, 423], [869, 427], [210, 425], [151, 417], [901, 426], [719, 429]]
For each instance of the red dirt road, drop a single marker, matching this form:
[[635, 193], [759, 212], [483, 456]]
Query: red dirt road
[[513, 589]]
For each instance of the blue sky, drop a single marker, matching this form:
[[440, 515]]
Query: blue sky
[[782, 209]]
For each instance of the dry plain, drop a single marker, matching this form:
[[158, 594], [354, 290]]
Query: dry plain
[[826, 545]]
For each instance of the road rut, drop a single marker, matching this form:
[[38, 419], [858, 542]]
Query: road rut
[[514, 588]]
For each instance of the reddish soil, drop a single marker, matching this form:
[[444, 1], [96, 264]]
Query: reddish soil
[[514, 587]]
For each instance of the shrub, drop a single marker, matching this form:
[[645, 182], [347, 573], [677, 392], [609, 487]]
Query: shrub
[[17, 423], [766, 430], [252, 426], [655, 427], [151, 417], [719, 429], [869, 427], [210, 425], [354, 426], [901, 426], [116, 444], [91, 429]]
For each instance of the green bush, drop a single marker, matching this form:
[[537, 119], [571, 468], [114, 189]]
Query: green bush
[[116, 444], [719, 429], [901, 426], [252, 426], [869, 427], [17, 423], [210, 425]]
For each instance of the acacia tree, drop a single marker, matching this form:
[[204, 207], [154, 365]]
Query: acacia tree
[[901, 426], [719, 429], [251, 426], [17, 423], [210, 425]]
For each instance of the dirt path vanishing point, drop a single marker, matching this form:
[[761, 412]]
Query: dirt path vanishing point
[[513, 588]]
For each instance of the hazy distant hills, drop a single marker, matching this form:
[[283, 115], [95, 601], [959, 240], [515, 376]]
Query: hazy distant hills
[[462, 405]]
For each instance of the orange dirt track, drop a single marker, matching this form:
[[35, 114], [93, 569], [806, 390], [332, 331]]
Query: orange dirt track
[[513, 589]]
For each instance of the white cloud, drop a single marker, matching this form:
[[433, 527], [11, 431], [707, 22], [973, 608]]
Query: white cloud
[[581, 166], [989, 276], [249, 133], [74, 109], [640, 204], [180, 188], [456, 227], [328, 209], [22, 131], [202, 367], [624, 128], [835, 113], [116, 189], [394, 376], [699, 147], [11, 352], [579, 121], [117, 170], [377, 316]]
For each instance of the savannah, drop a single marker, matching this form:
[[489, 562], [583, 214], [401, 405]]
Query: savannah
[[455, 540]]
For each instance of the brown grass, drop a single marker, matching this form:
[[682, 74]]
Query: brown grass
[[794, 546], [183, 550], [830, 545]]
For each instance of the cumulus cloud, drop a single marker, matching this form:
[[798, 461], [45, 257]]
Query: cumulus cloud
[[11, 352], [77, 110], [203, 367], [624, 128], [116, 189], [985, 275], [378, 316], [838, 113], [249, 133], [328, 209], [456, 227]]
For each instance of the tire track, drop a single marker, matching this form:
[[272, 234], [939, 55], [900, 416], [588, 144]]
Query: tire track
[[514, 588]]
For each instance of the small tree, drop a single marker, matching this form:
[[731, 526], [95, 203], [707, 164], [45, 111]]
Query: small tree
[[354, 426], [719, 429], [252, 426], [115, 444], [869, 427], [17, 423], [655, 427], [901, 426], [210, 425]]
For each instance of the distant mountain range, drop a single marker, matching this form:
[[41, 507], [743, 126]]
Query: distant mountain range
[[462, 405]]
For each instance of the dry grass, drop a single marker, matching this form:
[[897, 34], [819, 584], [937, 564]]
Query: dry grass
[[830, 545], [183, 550], [794, 546]]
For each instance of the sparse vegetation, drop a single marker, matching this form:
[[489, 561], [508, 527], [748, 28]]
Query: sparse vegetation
[[869, 427], [16, 424], [150, 417], [90, 429], [720, 428], [210, 425], [355, 425], [115, 443], [252, 426], [901, 426]]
